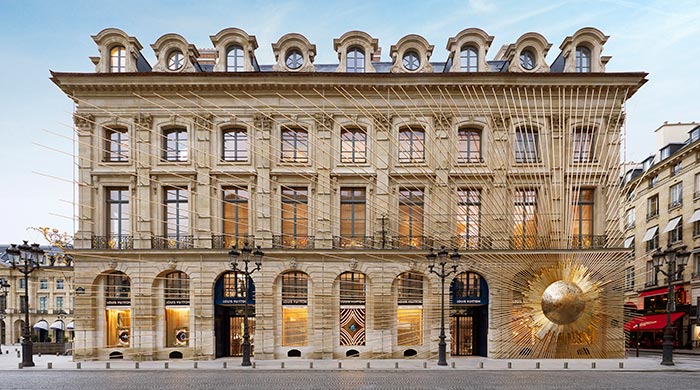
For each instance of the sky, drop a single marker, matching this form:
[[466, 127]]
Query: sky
[[659, 37]]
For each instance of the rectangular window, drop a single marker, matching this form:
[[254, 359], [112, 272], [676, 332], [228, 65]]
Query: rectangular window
[[118, 211], [411, 145], [235, 216], [59, 303], [411, 217], [651, 274], [469, 146], [582, 221], [409, 329], [43, 284], [234, 285], [295, 217], [295, 323], [353, 205], [653, 243], [676, 169], [176, 145], [22, 284], [353, 146], [116, 148], [295, 146], [630, 218], [118, 327], [653, 181], [43, 303], [696, 265], [675, 195], [177, 322], [652, 206], [468, 218], [526, 146], [22, 303], [696, 188], [583, 146], [177, 220], [59, 284], [235, 143], [524, 219], [629, 279], [676, 234]]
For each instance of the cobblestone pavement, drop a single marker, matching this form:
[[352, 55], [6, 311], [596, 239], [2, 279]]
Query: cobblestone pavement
[[356, 380]]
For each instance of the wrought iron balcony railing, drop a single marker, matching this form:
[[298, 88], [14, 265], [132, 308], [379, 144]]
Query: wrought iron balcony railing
[[225, 241], [471, 242], [696, 194], [529, 242], [652, 214], [675, 203], [172, 242], [354, 242], [292, 242], [587, 242], [411, 242], [112, 242]]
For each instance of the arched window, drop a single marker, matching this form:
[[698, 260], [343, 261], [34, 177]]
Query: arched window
[[409, 314], [528, 61], [294, 59], [117, 290], [234, 59], [235, 144], [411, 145], [583, 59], [176, 293], [295, 310], [176, 60], [352, 308], [466, 285], [355, 60], [117, 59], [469, 145], [116, 144], [469, 59], [411, 61]]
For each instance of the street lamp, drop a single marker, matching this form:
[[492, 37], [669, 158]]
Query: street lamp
[[244, 256], [25, 258], [441, 260], [676, 260]]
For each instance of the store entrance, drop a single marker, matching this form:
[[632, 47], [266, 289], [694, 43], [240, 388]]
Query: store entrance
[[229, 330], [468, 326]]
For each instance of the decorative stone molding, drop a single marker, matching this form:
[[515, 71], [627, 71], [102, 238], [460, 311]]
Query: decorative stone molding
[[590, 38], [417, 44], [288, 43], [204, 121], [353, 264], [442, 121], [263, 122], [474, 37], [84, 122], [229, 37], [383, 121], [293, 264], [172, 264], [112, 264], [356, 39], [110, 38], [324, 121], [500, 122], [169, 43], [143, 121], [533, 42]]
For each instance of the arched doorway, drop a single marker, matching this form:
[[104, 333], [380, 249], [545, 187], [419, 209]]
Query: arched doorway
[[469, 298], [230, 294]]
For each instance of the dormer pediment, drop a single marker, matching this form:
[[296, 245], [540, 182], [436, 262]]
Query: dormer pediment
[[294, 53]]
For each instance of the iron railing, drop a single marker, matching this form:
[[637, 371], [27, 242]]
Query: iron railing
[[587, 242], [225, 241], [172, 242], [652, 214], [411, 242], [112, 242], [292, 242], [695, 275], [354, 242], [675, 203]]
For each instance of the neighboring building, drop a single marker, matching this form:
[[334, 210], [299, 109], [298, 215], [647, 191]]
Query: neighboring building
[[345, 175], [663, 210], [50, 299]]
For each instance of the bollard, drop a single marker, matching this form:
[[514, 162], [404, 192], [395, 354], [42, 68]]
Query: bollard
[[621, 365], [425, 364], [453, 364], [481, 364], [225, 364], [17, 353], [253, 364], [593, 365], [58, 354], [19, 365], [107, 365], [78, 366], [537, 365], [166, 365], [510, 365], [39, 354], [340, 364], [136, 365], [566, 365], [311, 364], [282, 365], [49, 365], [396, 365], [368, 365], [196, 365]]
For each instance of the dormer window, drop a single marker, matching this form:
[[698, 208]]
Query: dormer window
[[294, 59], [117, 59], [469, 59], [583, 59], [234, 59], [527, 59], [176, 60], [356, 60], [411, 61]]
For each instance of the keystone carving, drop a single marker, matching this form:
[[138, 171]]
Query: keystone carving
[[293, 263], [263, 122], [353, 264], [112, 264]]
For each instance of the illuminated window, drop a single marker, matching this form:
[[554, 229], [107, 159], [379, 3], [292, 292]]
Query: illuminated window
[[117, 59], [582, 219], [295, 216], [353, 205], [177, 329], [295, 145], [469, 59], [411, 145], [235, 285], [469, 145], [411, 217], [175, 147], [118, 327], [235, 217], [234, 59], [116, 145], [409, 315], [295, 312], [353, 146], [235, 143], [583, 59], [355, 60], [468, 218], [524, 218]]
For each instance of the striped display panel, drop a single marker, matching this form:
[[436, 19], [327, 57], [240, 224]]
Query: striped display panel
[[352, 326]]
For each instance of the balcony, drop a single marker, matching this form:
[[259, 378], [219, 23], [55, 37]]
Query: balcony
[[696, 194], [695, 276], [528, 242], [112, 242], [225, 241], [587, 242], [652, 214], [471, 242], [172, 242], [675, 203], [411, 242], [292, 242], [356, 242]]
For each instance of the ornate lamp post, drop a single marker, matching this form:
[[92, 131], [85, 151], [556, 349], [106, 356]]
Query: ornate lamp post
[[25, 259], [676, 260], [244, 256], [441, 261]]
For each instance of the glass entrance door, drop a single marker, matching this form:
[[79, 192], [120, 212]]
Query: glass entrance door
[[236, 335], [462, 328]]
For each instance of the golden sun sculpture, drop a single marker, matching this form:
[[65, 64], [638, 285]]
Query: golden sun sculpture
[[564, 300]]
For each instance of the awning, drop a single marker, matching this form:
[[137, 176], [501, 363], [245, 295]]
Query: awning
[[628, 242], [650, 233], [631, 305], [695, 217], [652, 322], [70, 326], [41, 325], [672, 224], [57, 325], [658, 291]]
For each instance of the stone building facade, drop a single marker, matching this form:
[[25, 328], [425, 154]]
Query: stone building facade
[[345, 175], [663, 211]]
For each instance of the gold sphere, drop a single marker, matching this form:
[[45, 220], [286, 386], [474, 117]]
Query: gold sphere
[[563, 302]]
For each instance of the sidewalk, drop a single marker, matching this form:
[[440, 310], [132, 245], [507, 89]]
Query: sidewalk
[[65, 363]]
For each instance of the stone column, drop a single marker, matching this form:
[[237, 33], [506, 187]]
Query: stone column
[[85, 126], [141, 195]]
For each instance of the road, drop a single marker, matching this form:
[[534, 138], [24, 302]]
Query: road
[[337, 380]]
